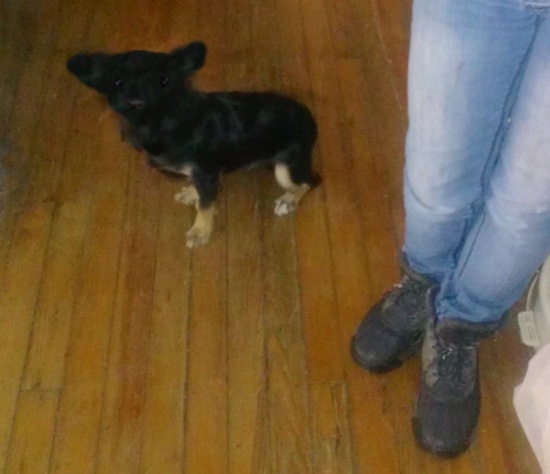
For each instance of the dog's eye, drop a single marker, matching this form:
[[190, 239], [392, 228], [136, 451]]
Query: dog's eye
[[164, 81], [119, 82]]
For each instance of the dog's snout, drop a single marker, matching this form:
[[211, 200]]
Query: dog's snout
[[135, 103]]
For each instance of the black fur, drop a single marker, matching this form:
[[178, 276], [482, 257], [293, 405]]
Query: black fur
[[203, 134]]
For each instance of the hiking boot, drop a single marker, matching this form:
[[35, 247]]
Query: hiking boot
[[392, 329], [448, 402]]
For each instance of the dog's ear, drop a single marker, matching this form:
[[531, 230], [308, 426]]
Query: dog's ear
[[89, 68], [190, 58]]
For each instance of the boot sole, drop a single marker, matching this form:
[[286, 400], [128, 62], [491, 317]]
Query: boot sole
[[384, 368]]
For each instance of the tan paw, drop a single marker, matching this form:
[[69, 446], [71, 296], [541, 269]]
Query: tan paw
[[286, 204], [197, 236], [188, 195]]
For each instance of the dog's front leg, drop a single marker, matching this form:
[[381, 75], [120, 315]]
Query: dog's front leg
[[207, 186], [188, 195]]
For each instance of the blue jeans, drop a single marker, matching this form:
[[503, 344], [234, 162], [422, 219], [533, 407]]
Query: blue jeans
[[477, 174]]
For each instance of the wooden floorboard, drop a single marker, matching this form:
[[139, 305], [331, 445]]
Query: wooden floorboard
[[124, 351]]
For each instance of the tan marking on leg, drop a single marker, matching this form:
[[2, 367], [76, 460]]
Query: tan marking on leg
[[282, 175], [186, 171], [188, 195], [288, 202], [202, 228]]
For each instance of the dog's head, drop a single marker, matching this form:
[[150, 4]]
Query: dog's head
[[135, 81]]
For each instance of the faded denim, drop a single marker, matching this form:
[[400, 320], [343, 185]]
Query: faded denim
[[477, 174]]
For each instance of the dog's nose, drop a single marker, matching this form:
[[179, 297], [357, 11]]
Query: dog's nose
[[135, 103]]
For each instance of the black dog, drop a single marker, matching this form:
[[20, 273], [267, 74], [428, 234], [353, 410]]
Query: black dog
[[202, 134]]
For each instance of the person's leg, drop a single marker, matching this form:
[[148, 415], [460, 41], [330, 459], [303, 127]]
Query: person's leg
[[511, 236], [508, 240], [465, 59]]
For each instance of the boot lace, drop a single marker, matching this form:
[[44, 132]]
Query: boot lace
[[407, 294], [456, 365]]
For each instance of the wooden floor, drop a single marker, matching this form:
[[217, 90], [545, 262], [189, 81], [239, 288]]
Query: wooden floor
[[121, 350]]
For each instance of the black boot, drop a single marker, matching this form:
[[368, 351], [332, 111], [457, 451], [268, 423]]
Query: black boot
[[448, 401], [392, 329]]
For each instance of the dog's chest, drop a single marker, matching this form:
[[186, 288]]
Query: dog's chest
[[154, 142]]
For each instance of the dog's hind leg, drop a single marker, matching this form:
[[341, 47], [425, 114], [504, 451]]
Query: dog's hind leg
[[288, 202], [294, 175]]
